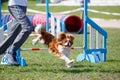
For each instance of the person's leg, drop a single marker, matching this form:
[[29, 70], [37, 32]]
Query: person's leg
[[18, 12], [13, 32], [24, 29], [14, 29]]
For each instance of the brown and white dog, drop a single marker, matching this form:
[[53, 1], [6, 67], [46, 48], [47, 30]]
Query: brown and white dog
[[59, 47]]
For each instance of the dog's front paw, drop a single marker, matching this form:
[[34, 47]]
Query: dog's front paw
[[34, 41], [70, 63]]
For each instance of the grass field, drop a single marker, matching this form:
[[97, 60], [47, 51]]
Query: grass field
[[43, 66], [112, 9]]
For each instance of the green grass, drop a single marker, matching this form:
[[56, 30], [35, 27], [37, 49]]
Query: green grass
[[43, 66], [112, 9]]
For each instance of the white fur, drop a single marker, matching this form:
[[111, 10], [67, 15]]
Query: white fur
[[63, 50], [69, 62], [38, 28], [67, 43], [49, 51], [42, 41], [66, 53], [35, 41], [38, 31], [60, 48]]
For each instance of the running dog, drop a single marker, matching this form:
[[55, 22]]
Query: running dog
[[59, 47]]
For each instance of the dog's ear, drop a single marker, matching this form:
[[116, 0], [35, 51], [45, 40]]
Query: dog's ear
[[61, 36], [70, 36]]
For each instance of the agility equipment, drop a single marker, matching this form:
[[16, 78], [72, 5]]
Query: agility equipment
[[94, 50], [93, 53], [37, 49], [72, 23]]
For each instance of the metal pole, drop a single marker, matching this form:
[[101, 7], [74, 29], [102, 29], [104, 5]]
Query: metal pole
[[0, 13], [37, 49], [85, 28], [85, 24], [47, 16]]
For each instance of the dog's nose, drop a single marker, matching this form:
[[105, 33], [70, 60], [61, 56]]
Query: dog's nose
[[68, 44]]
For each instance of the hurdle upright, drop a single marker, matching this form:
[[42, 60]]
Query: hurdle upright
[[0, 14], [95, 53], [1, 30]]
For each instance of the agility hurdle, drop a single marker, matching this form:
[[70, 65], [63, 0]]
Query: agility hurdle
[[93, 53], [37, 49]]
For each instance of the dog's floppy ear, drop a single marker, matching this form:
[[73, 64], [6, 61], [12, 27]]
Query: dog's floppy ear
[[61, 36], [70, 36]]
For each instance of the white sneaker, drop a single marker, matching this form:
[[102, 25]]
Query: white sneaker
[[8, 59]]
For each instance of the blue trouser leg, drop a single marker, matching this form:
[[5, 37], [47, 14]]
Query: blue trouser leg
[[14, 31], [19, 32], [18, 12]]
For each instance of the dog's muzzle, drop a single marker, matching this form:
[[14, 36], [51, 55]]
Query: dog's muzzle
[[67, 44]]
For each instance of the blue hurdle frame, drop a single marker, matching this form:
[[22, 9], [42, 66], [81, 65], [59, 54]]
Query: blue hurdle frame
[[0, 13], [86, 20], [87, 51]]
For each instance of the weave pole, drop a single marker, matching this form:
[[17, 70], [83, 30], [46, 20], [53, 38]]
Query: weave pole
[[56, 25]]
